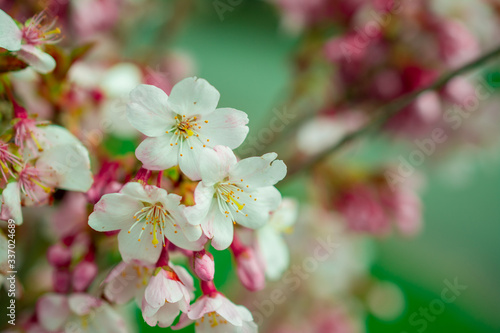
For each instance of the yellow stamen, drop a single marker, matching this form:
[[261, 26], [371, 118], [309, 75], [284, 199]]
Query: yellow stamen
[[4, 167], [215, 323], [36, 142], [46, 189], [240, 207], [155, 239]]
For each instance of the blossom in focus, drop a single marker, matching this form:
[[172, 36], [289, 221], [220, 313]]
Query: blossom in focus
[[168, 293], [181, 125], [215, 313], [270, 243], [145, 215], [78, 312], [234, 192], [26, 41]]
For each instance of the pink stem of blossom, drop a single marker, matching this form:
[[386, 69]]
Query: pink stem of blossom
[[208, 288], [19, 111], [143, 175], [237, 246], [159, 178], [164, 256]]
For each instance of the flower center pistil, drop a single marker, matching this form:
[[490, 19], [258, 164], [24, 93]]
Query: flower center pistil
[[154, 218], [228, 198], [35, 33], [6, 158], [29, 180], [184, 128]]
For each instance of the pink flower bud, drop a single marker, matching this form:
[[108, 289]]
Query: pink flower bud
[[59, 255], [61, 280], [250, 271], [203, 265], [83, 275]]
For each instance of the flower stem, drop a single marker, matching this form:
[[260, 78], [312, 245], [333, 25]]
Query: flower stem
[[208, 287], [164, 256]]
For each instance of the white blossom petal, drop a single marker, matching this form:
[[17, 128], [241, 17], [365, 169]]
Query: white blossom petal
[[190, 232], [226, 127], [10, 37], [259, 171], [54, 135], [145, 193], [156, 290], [66, 167], [229, 311], [203, 305], [132, 249], [158, 153], [40, 61], [11, 204], [193, 96], [221, 228], [189, 158], [274, 251], [114, 211], [216, 164], [167, 314], [147, 111], [177, 236], [257, 209], [203, 196]]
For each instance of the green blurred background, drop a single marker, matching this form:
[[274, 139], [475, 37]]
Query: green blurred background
[[247, 57]]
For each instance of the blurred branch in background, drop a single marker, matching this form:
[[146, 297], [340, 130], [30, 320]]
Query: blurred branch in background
[[386, 112]]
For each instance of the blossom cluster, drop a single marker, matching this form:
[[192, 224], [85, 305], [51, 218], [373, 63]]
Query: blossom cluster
[[130, 191], [188, 143]]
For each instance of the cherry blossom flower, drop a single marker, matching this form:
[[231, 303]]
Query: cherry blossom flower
[[168, 293], [145, 215], [230, 191], [78, 312], [27, 40], [127, 281], [215, 313], [181, 125], [270, 243]]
